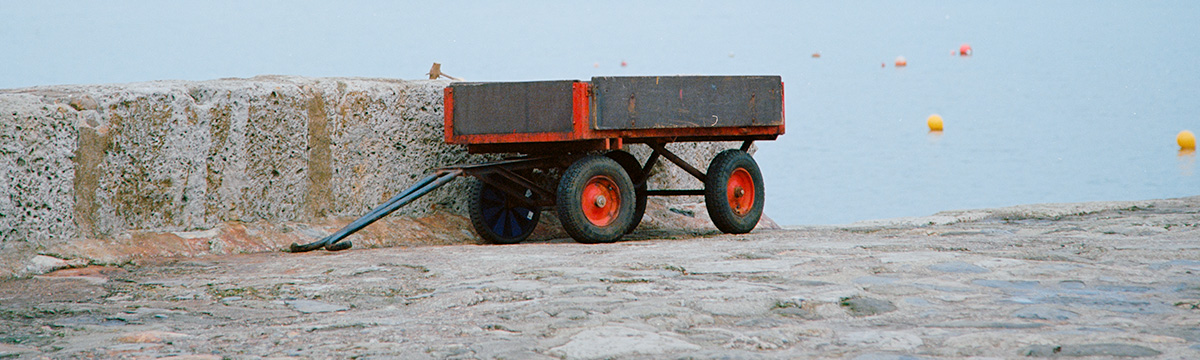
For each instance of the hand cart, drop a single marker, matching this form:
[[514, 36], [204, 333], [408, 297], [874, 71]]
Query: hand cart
[[578, 128]]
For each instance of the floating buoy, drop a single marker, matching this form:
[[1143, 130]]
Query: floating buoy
[[596, 65], [934, 122], [816, 55], [624, 64], [1186, 140], [964, 50], [901, 61]]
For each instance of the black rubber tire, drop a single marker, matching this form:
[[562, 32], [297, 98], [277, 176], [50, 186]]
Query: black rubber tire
[[571, 188], [634, 169], [497, 217], [716, 192]]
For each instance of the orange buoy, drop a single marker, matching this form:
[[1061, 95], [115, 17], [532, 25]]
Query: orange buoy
[[624, 64], [816, 55], [964, 50], [935, 122], [1186, 140], [901, 61]]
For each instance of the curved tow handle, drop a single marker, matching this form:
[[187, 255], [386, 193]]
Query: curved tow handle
[[422, 187]]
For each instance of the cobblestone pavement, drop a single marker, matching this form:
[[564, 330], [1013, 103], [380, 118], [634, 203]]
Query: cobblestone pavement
[[1071, 280]]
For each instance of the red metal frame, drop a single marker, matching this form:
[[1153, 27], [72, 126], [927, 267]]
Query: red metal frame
[[583, 137]]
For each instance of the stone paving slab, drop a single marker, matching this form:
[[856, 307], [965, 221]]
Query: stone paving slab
[[1041, 282]]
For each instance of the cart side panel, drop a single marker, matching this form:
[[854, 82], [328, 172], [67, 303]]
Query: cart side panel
[[647, 102], [512, 107]]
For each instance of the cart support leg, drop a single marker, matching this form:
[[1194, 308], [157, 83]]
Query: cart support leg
[[650, 162], [746, 145], [422, 187], [659, 148]]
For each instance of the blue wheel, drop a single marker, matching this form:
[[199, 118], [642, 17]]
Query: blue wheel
[[499, 218]]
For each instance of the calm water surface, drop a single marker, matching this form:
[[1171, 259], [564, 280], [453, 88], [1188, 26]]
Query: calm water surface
[[1062, 101]]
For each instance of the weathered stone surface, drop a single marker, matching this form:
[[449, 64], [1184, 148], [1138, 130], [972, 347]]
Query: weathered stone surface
[[1045, 312], [885, 356], [958, 267], [102, 161], [863, 306], [1191, 334], [884, 340], [548, 299], [1006, 284], [986, 325], [1117, 350], [42, 264], [192, 357], [153, 336], [313, 306], [16, 351], [82, 103], [618, 341], [734, 307], [730, 267]]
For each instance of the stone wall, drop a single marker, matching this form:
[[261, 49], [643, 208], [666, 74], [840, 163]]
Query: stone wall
[[95, 171]]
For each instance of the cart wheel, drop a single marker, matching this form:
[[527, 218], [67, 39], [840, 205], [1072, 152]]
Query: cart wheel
[[596, 200], [497, 217], [634, 169], [733, 192]]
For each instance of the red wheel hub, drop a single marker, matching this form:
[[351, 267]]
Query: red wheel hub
[[740, 192], [601, 200]]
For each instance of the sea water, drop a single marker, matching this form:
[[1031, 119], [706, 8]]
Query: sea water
[[1059, 102]]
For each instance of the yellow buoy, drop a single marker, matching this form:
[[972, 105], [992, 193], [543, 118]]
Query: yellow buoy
[[935, 122], [1186, 140]]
